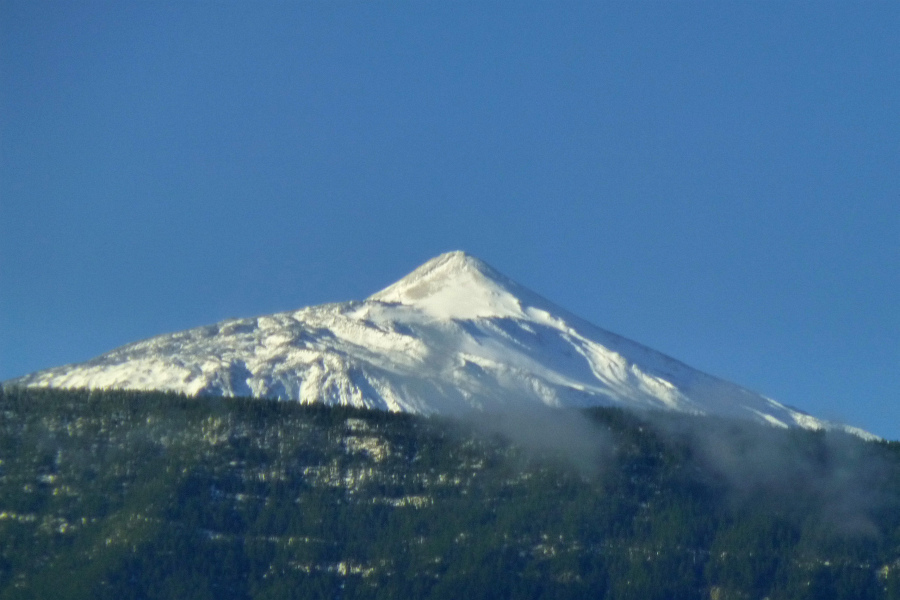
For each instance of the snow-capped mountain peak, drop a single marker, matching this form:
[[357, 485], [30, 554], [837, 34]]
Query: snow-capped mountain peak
[[451, 336], [455, 285]]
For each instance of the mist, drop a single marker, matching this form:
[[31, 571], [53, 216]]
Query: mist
[[833, 478], [566, 435]]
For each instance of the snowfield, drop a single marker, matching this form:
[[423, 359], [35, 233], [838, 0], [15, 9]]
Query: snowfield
[[451, 336]]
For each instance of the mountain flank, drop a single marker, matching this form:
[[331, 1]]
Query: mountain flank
[[452, 336]]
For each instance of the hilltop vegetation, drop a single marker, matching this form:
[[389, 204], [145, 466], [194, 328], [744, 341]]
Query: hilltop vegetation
[[147, 495]]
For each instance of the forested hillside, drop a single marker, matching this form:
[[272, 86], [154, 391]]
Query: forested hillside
[[145, 495]]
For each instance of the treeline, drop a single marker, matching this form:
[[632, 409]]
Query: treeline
[[146, 495]]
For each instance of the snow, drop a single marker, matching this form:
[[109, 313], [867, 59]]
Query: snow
[[452, 336], [453, 286]]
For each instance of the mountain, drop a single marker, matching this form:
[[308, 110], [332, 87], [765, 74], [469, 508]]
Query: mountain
[[451, 336]]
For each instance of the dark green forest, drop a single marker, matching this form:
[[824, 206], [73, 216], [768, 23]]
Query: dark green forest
[[127, 495]]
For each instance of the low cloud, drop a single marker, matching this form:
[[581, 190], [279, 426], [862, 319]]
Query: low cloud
[[833, 477], [564, 434]]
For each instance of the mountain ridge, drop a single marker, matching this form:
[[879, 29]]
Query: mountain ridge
[[453, 335]]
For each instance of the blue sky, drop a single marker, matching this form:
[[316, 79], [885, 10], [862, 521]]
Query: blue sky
[[719, 181]]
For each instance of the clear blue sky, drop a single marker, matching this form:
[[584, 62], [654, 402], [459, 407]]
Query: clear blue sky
[[719, 181]]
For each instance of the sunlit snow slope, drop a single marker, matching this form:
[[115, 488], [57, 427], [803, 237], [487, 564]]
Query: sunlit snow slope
[[452, 335]]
